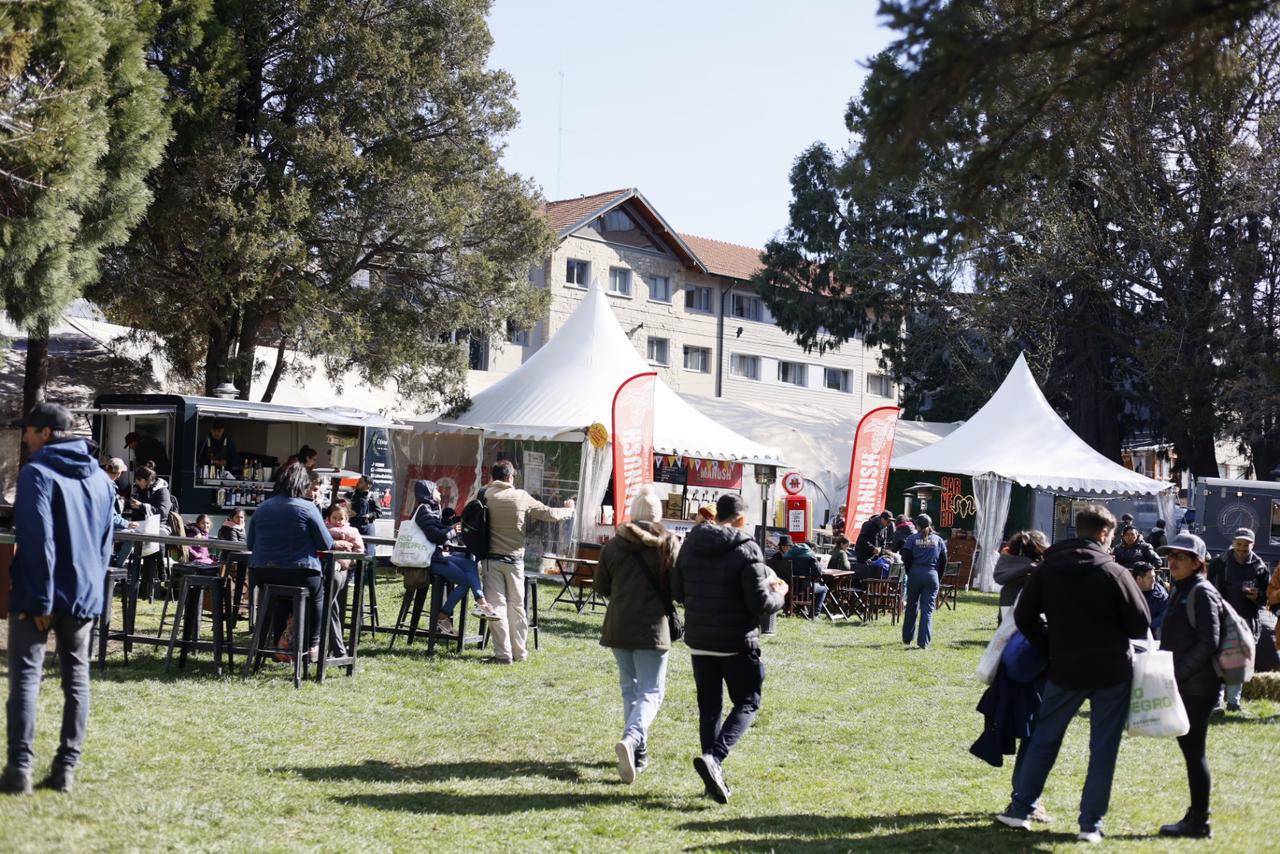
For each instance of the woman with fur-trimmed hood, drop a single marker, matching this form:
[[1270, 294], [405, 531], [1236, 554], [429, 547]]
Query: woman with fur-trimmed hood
[[633, 572]]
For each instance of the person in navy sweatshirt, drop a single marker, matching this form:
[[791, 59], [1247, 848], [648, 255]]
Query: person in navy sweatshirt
[[63, 527]]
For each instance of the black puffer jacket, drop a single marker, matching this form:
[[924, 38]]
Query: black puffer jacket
[[1093, 608], [156, 497], [637, 616], [1194, 647], [721, 578], [1139, 552]]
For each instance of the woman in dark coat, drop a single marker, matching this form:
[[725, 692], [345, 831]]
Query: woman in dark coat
[[1194, 644], [633, 572], [1020, 556]]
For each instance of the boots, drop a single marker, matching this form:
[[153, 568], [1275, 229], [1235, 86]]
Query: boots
[[1194, 825]]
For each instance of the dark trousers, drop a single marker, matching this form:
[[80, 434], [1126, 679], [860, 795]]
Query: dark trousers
[[1193, 747], [26, 665], [294, 576], [743, 675]]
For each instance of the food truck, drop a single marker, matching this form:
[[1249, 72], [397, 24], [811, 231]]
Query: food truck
[[1224, 506], [173, 431]]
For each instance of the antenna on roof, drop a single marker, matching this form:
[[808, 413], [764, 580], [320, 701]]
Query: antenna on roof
[[559, 134]]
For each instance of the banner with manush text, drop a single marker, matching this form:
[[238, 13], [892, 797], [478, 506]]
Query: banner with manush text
[[869, 468], [632, 442]]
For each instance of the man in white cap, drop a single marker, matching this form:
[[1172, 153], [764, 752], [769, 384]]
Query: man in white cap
[[1241, 577]]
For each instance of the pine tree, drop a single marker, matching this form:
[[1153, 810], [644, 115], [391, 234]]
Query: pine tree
[[82, 122]]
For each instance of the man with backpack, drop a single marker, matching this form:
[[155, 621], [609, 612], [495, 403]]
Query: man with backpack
[[1080, 610], [502, 561], [1241, 577]]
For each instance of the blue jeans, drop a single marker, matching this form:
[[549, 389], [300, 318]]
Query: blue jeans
[[922, 592], [26, 665], [1108, 711], [642, 673], [463, 574]]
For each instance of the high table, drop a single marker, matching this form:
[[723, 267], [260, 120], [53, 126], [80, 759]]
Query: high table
[[355, 581], [133, 582], [579, 572]]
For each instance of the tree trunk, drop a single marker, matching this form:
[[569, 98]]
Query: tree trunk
[[246, 350], [37, 367], [215, 363], [276, 373]]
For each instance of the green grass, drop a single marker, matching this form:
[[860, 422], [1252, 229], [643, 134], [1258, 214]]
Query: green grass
[[859, 745]]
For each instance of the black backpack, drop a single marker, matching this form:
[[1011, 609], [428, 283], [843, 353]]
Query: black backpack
[[475, 527]]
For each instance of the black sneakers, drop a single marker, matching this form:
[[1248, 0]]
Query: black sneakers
[[642, 757], [15, 782], [712, 777], [1194, 825], [60, 779]]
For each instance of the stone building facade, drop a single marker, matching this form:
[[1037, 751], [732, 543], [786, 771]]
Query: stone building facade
[[688, 306]]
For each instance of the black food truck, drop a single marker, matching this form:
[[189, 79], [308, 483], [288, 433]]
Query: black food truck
[[236, 469], [1224, 506]]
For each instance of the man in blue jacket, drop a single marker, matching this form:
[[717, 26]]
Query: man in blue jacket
[[64, 531]]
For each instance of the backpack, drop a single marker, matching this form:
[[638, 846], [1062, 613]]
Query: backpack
[[1236, 644], [475, 527]]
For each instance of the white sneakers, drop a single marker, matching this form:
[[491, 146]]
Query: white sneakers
[[626, 760]]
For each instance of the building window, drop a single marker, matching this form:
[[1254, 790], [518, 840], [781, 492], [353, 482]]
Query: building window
[[748, 307], [660, 351], [879, 385], [620, 281], [519, 337], [697, 359], [660, 288], [836, 379], [747, 367], [697, 299], [576, 272], [794, 373]]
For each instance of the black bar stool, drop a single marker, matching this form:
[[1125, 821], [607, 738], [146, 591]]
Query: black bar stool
[[115, 575], [190, 606], [269, 595]]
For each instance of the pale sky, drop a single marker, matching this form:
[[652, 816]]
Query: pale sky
[[702, 104]]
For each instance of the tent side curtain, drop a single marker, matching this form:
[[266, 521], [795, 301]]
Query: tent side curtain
[[452, 460], [991, 493]]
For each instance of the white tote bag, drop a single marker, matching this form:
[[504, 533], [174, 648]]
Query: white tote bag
[[149, 525], [989, 664], [1155, 707], [412, 548]]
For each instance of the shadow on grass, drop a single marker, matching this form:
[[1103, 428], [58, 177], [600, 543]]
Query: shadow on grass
[[453, 803], [961, 644], [377, 771], [1237, 720], [919, 832]]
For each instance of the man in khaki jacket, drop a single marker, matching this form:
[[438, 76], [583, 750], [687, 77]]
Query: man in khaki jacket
[[503, 568]]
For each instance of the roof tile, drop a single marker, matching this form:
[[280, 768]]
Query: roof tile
[[726, 259]]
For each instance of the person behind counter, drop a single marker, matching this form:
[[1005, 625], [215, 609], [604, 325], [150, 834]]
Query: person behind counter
[[309, 457], [147, 449], [284, 535], [218, 448]]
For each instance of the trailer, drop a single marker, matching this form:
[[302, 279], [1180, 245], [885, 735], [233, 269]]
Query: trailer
[[173, 428], [1224, 506]]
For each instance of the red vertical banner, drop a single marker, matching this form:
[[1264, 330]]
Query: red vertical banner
[[869, 468], [632, 442]]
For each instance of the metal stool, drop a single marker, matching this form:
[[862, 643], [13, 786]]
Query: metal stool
[[414, 598], [440, 587], [371, 599], [271, 594], [173, 595], [190, 605], [115, 575]]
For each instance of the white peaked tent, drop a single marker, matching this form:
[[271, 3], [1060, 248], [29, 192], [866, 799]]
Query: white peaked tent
[[569, 383], [1016, 437]]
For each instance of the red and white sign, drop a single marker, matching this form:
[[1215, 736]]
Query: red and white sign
[[869, 468], [793, 482], [717, 474], [456, 485], [632, 442]]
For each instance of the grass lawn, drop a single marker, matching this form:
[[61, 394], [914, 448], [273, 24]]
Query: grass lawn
[[859, 745]]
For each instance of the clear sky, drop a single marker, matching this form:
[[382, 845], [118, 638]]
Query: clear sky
[[702, 104]]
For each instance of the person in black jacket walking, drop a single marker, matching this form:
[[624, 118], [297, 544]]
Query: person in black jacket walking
[[721, 578], [1092, 608], [1194, 644]]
